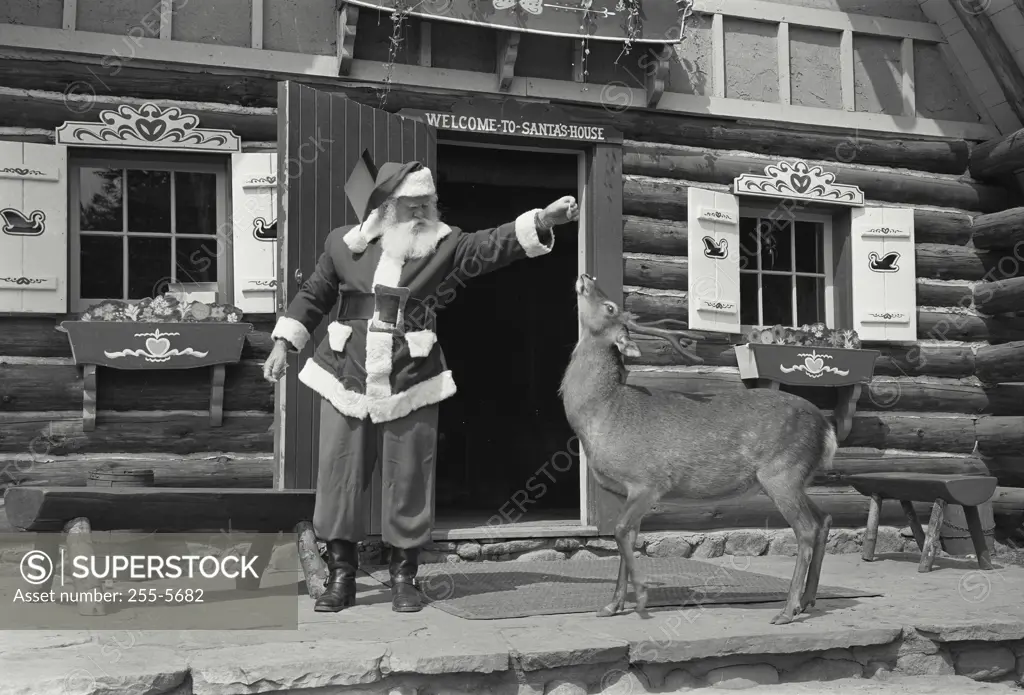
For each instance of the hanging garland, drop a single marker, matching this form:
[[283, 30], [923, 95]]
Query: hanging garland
[[587, 25], [632, 25], [398, 17]]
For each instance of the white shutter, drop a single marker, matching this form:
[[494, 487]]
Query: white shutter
[[254, 213], [713, 243], [884, 273], [33, 228]]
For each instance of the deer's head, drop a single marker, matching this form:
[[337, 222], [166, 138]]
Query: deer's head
[[604, 322]]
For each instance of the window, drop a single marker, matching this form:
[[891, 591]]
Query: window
[[785, 269], [142, 226]]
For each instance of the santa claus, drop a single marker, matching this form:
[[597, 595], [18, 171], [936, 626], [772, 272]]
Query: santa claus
[[380, 372]]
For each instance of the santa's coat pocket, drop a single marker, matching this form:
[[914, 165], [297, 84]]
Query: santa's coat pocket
[[338, 335]]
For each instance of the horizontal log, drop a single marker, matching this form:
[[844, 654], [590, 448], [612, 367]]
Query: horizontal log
[[227, 471], [1000, 230], [167, 510], [882, 394], [229, 86], [658, 272], [950, 262], [1000, 363], [1008, 469], [889, 185], [40, 387], [847, 507], [849, 462], [1008, 508], [36, 336], [935, 359], [932, 324], [1000, 435], [44, 434], [1002, 296], [998, 157], [651, 204]]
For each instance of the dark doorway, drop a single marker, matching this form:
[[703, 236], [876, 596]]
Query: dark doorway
[[506, 452]]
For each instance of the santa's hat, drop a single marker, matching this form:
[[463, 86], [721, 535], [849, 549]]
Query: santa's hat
[[368, 187]]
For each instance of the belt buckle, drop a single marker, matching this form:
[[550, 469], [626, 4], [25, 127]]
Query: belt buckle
[[389, 309]]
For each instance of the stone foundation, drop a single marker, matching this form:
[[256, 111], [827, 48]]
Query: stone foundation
[[738, 542], [910, 654]]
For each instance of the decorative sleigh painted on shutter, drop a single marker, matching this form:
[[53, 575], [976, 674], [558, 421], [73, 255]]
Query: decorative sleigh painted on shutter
[[33, 228], [884, 273], [254, 225], [713, 243]]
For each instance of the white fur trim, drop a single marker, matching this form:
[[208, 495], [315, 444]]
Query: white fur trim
[[359, 237], [337, 335], [416, 184], [292, 331], [357, 405], [420, 342], [526, 235], [380, 346]]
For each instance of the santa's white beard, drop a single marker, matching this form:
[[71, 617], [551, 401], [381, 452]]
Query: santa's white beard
[[413, 239]]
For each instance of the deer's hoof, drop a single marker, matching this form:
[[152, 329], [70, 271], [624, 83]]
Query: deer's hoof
[[783, 618], [609, 610], [641, 601]]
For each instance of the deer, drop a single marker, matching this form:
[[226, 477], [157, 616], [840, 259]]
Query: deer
[[644, 445]]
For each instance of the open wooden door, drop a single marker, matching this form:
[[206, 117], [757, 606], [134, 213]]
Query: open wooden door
[[320, 136]]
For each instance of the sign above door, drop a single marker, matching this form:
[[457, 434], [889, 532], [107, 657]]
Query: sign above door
[[659, 21], [514, 118]]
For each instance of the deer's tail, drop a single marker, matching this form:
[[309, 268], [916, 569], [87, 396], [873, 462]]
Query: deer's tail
[[829, 450]]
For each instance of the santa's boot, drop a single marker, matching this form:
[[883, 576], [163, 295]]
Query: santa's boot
[[405, 597], [342, 562]]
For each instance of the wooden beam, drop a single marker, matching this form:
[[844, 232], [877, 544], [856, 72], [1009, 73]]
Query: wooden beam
[[257, 24], [907, 84], [348, 17], [997, 364], [656, 74], [168, 510], [1000, 230], [1002, 63], [70, 15], [998, 157], [166, 19], [508, 51], [426, 58], [718, 56], [202, 59], [846, 60], [785, 79]]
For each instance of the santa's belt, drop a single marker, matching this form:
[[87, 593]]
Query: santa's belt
[[362, 305]]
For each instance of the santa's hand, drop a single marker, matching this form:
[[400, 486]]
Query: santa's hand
[[561, 211]]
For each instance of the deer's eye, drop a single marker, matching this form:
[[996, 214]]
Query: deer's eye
[[610, 308]]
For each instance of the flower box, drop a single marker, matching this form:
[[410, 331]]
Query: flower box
[[160, 333], [802, 365], [813, 356], [157, 345]]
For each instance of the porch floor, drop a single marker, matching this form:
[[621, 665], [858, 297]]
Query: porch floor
[[371, 645]]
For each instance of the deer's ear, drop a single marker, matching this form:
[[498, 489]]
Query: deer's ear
[[626, 346]]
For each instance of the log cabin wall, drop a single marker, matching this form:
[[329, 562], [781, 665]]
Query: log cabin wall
[[951, 402]]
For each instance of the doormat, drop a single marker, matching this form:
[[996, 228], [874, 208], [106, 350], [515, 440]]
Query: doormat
[[499, 590]]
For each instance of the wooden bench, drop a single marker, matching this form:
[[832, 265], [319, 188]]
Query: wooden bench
[[77, 511], [938, 490]]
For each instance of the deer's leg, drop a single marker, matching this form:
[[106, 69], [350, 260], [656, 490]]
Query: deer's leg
[[786, 490], [626, 530], [814, 573]]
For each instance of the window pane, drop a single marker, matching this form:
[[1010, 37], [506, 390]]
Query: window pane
[[748, 299], [810, 300], [776, 244], [102, 267], [149, 202], [809, 247], [195, 203], [748, 243], [99, 201], [777, 295], [196, 259], [149, 266]]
